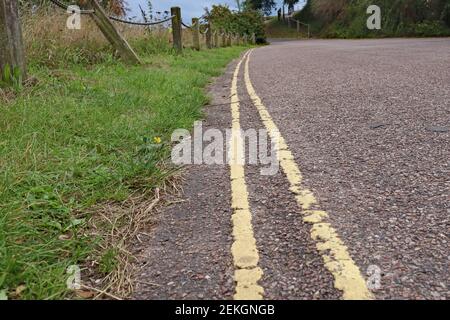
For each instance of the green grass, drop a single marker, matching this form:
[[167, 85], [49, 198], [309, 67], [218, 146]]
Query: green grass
[[80, 137]]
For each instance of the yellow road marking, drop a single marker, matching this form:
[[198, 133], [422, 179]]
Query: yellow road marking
[[244, 250], [338, 261]]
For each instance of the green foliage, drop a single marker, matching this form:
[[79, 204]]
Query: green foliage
[[347, 18], [445, 14], [108, 261], [265, 6], [81, 137], [247, 21], [151, 44], [221, 17], [11, 77], [430, 29]]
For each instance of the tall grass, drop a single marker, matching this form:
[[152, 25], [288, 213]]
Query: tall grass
[[49, 43]]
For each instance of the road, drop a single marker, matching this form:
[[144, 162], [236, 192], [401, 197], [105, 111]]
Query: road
[[359, 208]]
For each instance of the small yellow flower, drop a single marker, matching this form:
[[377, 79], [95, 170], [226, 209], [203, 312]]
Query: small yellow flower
[[157, 140]]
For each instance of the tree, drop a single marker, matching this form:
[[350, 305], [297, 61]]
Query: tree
[[445, 14], [239, 5], [291, 4], [247, 21], [221, 17], [266, 6]]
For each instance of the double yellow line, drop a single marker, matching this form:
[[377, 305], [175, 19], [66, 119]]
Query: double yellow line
[[347, 276], [244, 250]]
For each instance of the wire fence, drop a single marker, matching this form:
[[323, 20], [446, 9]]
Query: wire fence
[[289, 19], [68, 7], [154, 23], [213, 38]]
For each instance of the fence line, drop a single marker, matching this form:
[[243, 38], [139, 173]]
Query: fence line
[[289, 19], [301, 23], [66, 8], [141, 23], [9, 24]]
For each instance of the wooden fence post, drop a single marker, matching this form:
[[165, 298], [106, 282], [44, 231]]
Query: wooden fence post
[[196, 33], [11, 41], [224, 39], [298, 26], [229, 39], [112, 35], [176, 29], [253, 38], [209, 37], [216, 39]]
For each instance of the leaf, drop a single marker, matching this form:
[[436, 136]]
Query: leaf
[[85, 294], [3, 295], [17, 77], [55, 224], [65, 237], [76, 222], [7, 74], [20, 289]]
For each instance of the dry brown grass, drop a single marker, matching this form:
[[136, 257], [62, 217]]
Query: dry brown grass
[[49, 42], [120, 225], [328, 9]]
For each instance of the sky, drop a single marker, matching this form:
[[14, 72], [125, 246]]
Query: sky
[[189, 8]]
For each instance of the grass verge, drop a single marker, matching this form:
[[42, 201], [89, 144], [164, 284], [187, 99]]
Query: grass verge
[[80, 138]]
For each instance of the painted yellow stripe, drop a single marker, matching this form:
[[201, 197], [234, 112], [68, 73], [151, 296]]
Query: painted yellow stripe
[[338, 261], [244, 250]]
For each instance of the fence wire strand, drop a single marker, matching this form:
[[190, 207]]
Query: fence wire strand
[[66, 7], [186, 26], [193, 25], [141, 23]]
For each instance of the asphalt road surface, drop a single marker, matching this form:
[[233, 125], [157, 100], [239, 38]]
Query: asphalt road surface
[[360, 206]]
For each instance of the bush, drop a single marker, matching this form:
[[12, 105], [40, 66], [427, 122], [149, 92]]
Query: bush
[[347, 19], [430, 28], [246, 22]]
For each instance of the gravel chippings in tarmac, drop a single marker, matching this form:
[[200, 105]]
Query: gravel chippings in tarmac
[[293, 268], [367, 122]]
